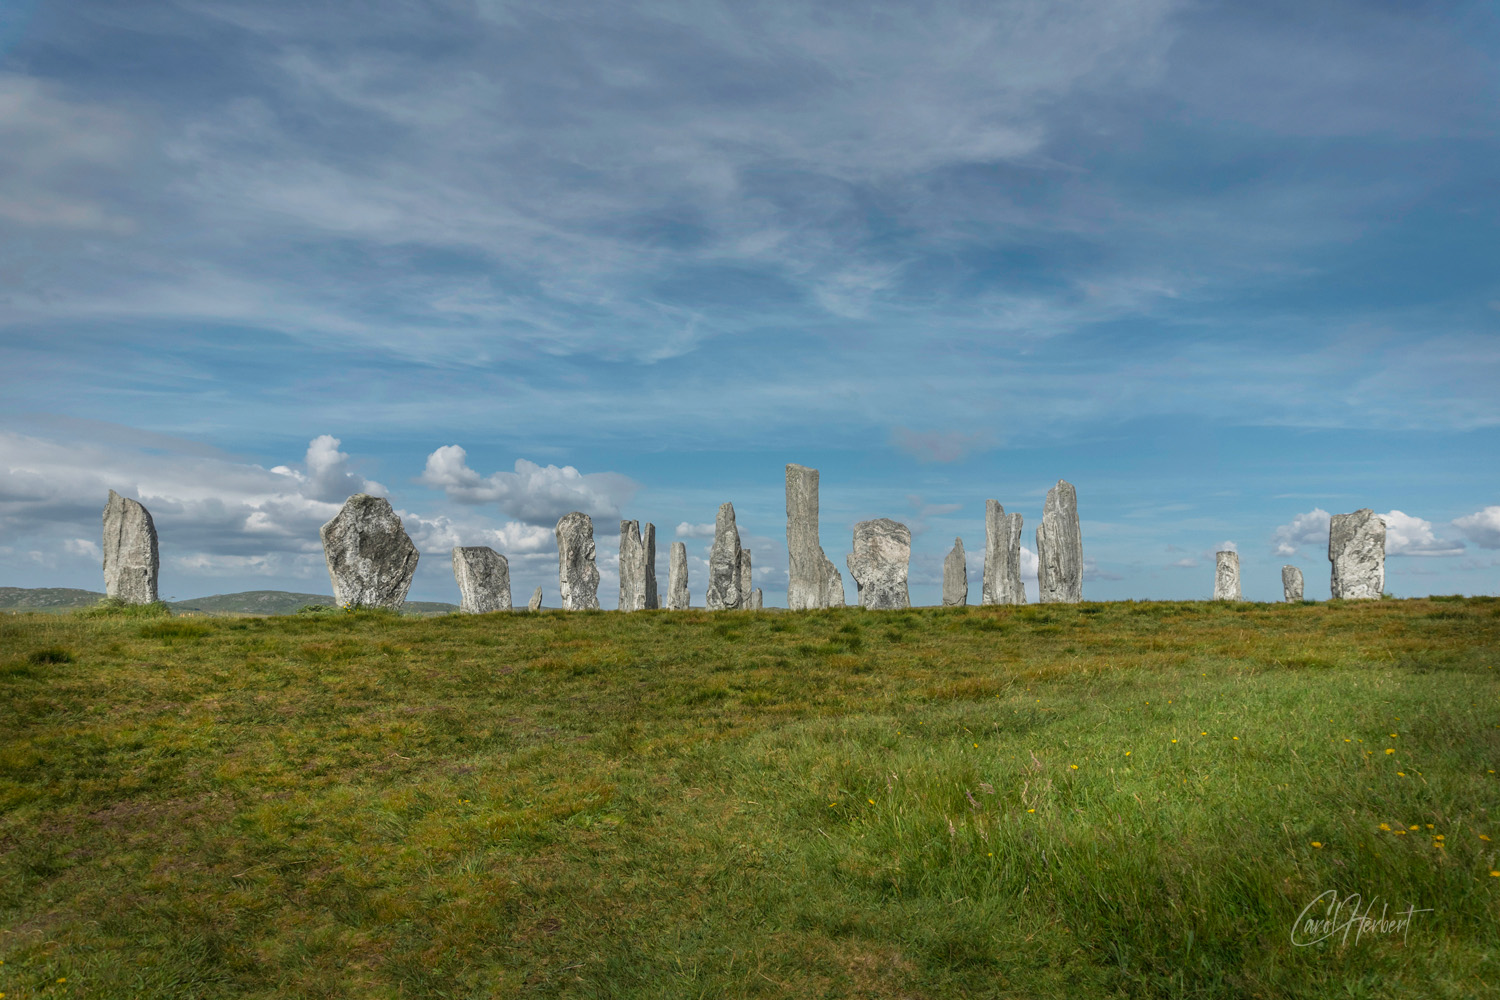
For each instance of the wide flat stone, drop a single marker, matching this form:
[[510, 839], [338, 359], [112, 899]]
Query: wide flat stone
[[879, 563], [1291, 583], [577, 576], [131, 560], [1356, 550], [483, 577], [724, 563], [955, 577], [1059, 545], [1227, 576], [370, 559], [677, 578]]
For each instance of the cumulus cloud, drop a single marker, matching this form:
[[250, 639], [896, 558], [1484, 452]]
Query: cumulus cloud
[[686, 530], [1481, 527], [327, 475], [1304, 529], [533, 493], [1228, 547], [1406, 535]]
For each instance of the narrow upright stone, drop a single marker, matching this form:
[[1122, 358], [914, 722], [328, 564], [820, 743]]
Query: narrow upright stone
[[577, 576], [370, 558], [677, 578], [1227, 576], [648, 547], [131, 562], [811, 575], [1356, 548], [882, 553], [746, 582], [1059, 547], [535, 604], [1002, 557], [757, 600], [724, 563], [483, 577], [632, 567], [1291, 583], [955, 577]]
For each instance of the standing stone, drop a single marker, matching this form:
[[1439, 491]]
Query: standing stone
[[632, 567], [813, 581], [1002, 557], [724, 563], [535, 604], [677, 578], [1291, 583], [483, 578], [577, 576], [833, 585], [1059, 547], [648, 548], [746, 583], [882, 552], [955, 577], [1227, 576], [1356, 548], [131, 562], [370, 558], [757, 600]]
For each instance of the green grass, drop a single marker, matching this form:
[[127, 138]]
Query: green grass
[[934, 803]]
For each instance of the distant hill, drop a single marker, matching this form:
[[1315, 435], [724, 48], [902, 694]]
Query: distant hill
[[251, 602]]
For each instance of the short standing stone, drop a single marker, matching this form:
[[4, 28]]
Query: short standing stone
[[882, 553], [955, 577], [131, 562], [648, 547], [1291, 583], [370, 558], [811, 575], [746, 581], [833, 585], [1356, 548], [483, 577], [577, 576], [1002, 557], [1227, 576], [632, 567], [677, 578], [724, 563], [1059, 547], [535, 604]]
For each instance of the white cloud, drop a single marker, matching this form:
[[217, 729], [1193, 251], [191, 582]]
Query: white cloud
[[533, 493], [82, 547], [1304, 529], [1187, 562], [1481, 527], [1406, 535], [686, 530]]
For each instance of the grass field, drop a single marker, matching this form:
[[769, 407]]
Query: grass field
[[1125, 799]]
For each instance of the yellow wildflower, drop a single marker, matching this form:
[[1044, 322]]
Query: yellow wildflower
[[1317, 843], [1389, 750], [1386, 827]]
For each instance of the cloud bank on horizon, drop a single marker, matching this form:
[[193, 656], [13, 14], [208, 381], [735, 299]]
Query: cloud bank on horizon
[[1227, 268]]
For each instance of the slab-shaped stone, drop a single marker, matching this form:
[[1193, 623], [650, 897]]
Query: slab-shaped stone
[[370, 558], [677, 578], [746, 582], [1291, 583], [955, 577], [535, 604], [648, 547], [1227, 576], [632, 567], [724, 563], [757, 600], [879, 563], [1059, 547], [131, 560], [833, 585], [1002, 557], [810, 573], [1356, 548], [577, 576], [483, 577]]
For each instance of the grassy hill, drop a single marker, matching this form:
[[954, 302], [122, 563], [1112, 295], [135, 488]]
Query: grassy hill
[[1093, 800], [250, 602], [46, 598]]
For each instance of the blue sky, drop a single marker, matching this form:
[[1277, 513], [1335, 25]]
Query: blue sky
[[1225, 267]]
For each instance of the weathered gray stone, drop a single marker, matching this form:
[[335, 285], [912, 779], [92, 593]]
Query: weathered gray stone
[[535, 604], [131, 561], [632, 567], [577, 576], [811, 575], [955, 577], [724, 563], [757, 600], [677, 578], [1291, 583], [370, 558], [1356, 548], [483, 577], [1002, 557], [746, 582], [1059, 547], [648, 546], [882, 553], [1227, 576]]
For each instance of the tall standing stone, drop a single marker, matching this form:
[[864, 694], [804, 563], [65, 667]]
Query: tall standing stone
[[131, 562], [1291, 583], [746, 581], [648, 548], [483, 577], [577, 576], [813, 581], [632, 567], [535, 604], [882, 553], [724, 563], [1356, 548], [1002, 557], [955, 577], [677, 578], [1227, 576], [370, 558], [1059, 547]]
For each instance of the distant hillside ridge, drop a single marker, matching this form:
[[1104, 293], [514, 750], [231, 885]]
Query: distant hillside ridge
[[250, 602]]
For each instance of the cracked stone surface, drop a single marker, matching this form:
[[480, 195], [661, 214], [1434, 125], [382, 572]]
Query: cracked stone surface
[[955, 577], [677, 578], [577, 576], [879, 563], [131, 560], [1059, 547], [1291, 583], [1002, 557], [370, 558], [483, 577], [1356, 548], [724, 563], [1227, 576]]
